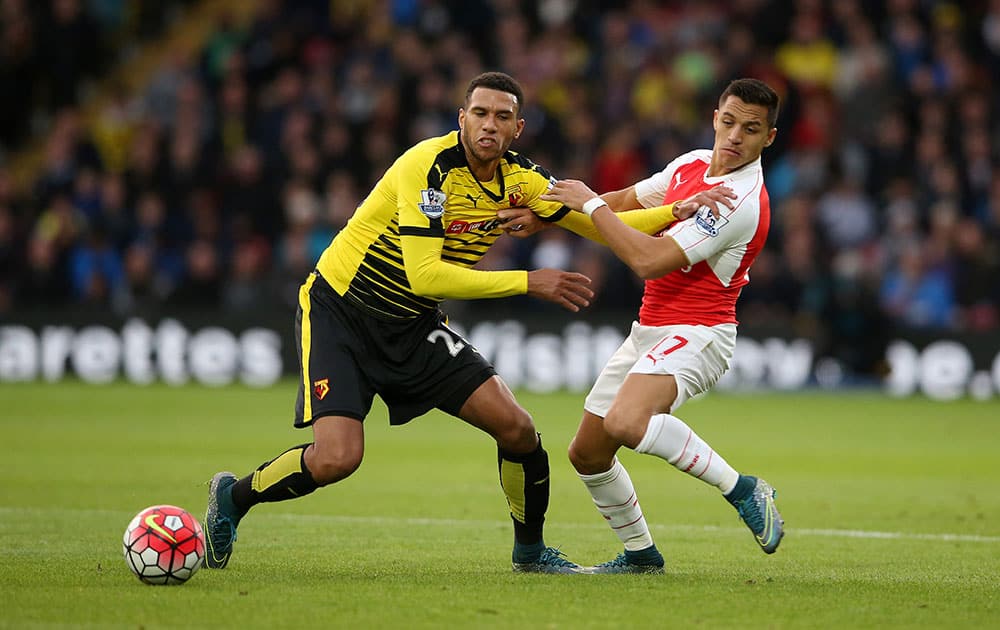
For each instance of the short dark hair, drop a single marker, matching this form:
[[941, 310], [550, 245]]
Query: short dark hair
[[497, 81], [754, 92]]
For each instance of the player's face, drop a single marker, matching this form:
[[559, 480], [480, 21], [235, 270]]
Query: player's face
[[741, 133], [489, 124]]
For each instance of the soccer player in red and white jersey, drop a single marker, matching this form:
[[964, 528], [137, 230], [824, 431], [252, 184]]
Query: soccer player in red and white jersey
[[684, 339]]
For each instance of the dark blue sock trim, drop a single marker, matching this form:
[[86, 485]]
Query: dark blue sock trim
[[744, 486]]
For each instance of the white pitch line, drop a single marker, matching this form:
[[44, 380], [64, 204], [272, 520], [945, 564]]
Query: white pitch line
[[860, 533], [824, 533], [446, 522]]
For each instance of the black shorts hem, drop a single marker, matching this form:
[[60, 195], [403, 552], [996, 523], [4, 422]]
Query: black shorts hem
[[302, 424], [452, 403]]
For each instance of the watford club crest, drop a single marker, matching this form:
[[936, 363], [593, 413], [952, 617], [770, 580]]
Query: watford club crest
[[514, 195], [321, 388]]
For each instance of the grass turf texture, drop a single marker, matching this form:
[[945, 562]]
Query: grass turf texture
[[870, 488]]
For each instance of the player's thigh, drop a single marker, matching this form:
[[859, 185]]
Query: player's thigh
[[695, 357], [433, 367], [331, 381], [643, 395], [493, 408], [605, 388], [640, 397]]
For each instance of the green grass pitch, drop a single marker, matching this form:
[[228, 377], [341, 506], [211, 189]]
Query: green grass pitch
[[892, 511]]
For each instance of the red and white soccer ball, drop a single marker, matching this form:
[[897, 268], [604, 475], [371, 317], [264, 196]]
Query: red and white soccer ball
[[164, 544]]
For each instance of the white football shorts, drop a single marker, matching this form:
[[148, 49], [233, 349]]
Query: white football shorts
[[697, 357]]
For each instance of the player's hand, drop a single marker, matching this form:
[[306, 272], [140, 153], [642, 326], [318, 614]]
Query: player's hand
[[566, 288], [712, 197], [520, 222], [571, 193]]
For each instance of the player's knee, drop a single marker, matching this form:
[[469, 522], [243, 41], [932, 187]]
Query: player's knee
[[331, 471], [517, 434], [623, 427], [328, 467], [585, 460]]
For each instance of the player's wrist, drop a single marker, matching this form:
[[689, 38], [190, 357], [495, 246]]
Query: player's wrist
[[592, 204]]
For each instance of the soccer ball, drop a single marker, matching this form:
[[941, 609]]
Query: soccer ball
[[164, 544]]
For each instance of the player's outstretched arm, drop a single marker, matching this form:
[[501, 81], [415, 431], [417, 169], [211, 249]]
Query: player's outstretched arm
[[573, 193], [643, 253], [522, 222], [648, 256], [429, 275]]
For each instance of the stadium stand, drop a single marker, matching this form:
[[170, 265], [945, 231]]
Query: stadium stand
[[214, 173]]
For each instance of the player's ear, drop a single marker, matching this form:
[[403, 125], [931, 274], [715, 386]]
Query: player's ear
[[461, 118], [770, 136], [520, 127]]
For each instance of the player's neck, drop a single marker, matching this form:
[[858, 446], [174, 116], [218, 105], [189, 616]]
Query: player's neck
[[716, 170], [484, 172]]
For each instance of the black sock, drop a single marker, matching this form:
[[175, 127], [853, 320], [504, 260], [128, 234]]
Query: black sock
[[284, 477], [525, 482]]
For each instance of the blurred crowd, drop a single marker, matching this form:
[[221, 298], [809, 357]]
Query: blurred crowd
[[222, 181]]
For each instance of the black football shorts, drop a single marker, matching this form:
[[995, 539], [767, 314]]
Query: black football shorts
[[346, 356]]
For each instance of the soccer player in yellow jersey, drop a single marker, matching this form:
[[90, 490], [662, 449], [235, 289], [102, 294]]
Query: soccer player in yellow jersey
[[368, 320]]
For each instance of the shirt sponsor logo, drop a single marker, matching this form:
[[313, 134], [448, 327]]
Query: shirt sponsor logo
[[461, 227], [707, 223], [432, 203]]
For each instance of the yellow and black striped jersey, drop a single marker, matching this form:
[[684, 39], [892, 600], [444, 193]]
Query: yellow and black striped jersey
[[412, 241]]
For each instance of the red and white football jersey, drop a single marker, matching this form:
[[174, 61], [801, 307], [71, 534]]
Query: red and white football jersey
[[720, 250]]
